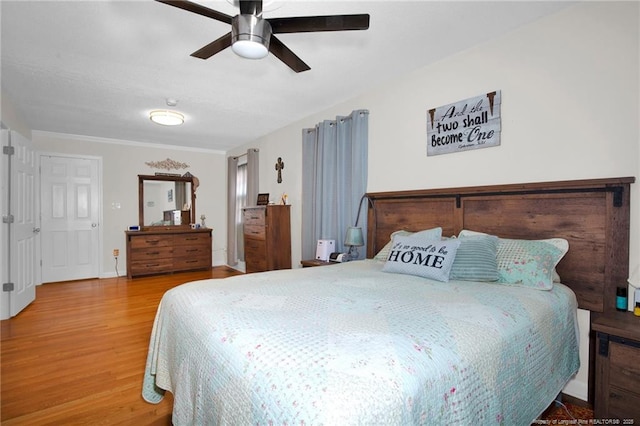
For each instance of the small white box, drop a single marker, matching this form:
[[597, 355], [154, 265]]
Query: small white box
[[324, 249]]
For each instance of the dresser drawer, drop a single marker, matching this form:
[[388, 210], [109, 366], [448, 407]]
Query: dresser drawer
[[255, 231], [198, 239], [256, 265], [255, 248], [191, 262], [180, 252], [623, 405], [254, 216], [624, 366], [255, 253], [150, 266], [152, 253], [145, 241]]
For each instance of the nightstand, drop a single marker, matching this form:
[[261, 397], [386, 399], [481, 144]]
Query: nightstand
[[314, 262], [617, 372]]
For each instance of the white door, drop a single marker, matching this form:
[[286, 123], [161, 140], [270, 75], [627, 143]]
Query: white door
[[70, 208], [21, 227]]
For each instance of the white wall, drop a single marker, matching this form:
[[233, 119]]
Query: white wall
[[13, 118], [570, 98], [122, 162]]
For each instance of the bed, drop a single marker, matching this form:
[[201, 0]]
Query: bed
[[356, 343]]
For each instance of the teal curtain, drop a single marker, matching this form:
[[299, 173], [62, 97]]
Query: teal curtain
[[334, 179]]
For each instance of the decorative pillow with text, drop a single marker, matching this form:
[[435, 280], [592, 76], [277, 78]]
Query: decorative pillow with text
[[416, 255], [431, 234]]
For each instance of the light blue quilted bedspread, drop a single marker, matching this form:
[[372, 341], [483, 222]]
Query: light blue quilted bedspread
[[349, 344]]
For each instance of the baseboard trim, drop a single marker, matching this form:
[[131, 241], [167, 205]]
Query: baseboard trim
[[577, 390]]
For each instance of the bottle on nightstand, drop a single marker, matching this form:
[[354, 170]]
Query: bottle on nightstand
[[621, 299]]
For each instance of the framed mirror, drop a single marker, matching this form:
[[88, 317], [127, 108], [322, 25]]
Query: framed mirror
[[166, 201]]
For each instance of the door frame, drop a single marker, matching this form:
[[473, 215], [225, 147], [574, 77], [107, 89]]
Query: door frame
[[100, 206]]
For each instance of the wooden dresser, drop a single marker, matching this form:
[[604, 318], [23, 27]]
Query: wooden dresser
[[617, 382], [267, 238], [167, 250]]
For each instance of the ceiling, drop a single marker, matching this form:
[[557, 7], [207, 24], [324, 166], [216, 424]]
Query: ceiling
[[96, 68]]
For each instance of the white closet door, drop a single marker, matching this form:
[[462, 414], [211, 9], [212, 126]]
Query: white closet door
[[70, 209]]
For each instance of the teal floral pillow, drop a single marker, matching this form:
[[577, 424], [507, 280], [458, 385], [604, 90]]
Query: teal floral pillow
[[530, 263]]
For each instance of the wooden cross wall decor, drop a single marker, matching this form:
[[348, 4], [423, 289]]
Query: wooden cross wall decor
[[279, 167]]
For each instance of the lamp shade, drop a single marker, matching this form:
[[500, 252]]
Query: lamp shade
[[354, 237]]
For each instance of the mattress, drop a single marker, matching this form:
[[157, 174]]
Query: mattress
[[351, 344]]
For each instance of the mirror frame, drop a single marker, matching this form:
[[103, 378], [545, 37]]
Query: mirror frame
[[165, 178]]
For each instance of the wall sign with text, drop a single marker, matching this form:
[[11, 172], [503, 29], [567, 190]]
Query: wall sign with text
[[473, 123]]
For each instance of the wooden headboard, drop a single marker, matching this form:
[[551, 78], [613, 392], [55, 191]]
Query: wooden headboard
[[593, 215]]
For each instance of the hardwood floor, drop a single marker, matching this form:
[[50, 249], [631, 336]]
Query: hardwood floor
[[76, 355]]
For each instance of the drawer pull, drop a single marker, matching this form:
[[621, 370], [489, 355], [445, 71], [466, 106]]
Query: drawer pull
[[192, 261], [152, 265], [191, 250], [191, 239], [153, 253], [152, 241]]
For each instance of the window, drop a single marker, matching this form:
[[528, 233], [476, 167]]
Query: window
[[241, 202]]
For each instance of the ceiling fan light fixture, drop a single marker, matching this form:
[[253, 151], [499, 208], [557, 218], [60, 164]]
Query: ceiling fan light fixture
[[250, 36], [166, 117]]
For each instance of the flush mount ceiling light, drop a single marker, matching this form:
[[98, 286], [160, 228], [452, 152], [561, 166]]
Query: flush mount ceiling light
[[166, 117]]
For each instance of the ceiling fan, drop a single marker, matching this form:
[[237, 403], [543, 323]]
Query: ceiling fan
[[253, 37]]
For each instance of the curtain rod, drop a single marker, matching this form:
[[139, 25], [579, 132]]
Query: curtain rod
[[360, 112], [245, 154]]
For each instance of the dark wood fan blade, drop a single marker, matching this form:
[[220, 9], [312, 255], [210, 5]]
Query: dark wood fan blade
[[307, 24], [283, 53], [199, 9], [214, 47], [251, 7]]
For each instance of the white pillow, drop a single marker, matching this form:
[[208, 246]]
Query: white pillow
[[416, 255]]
